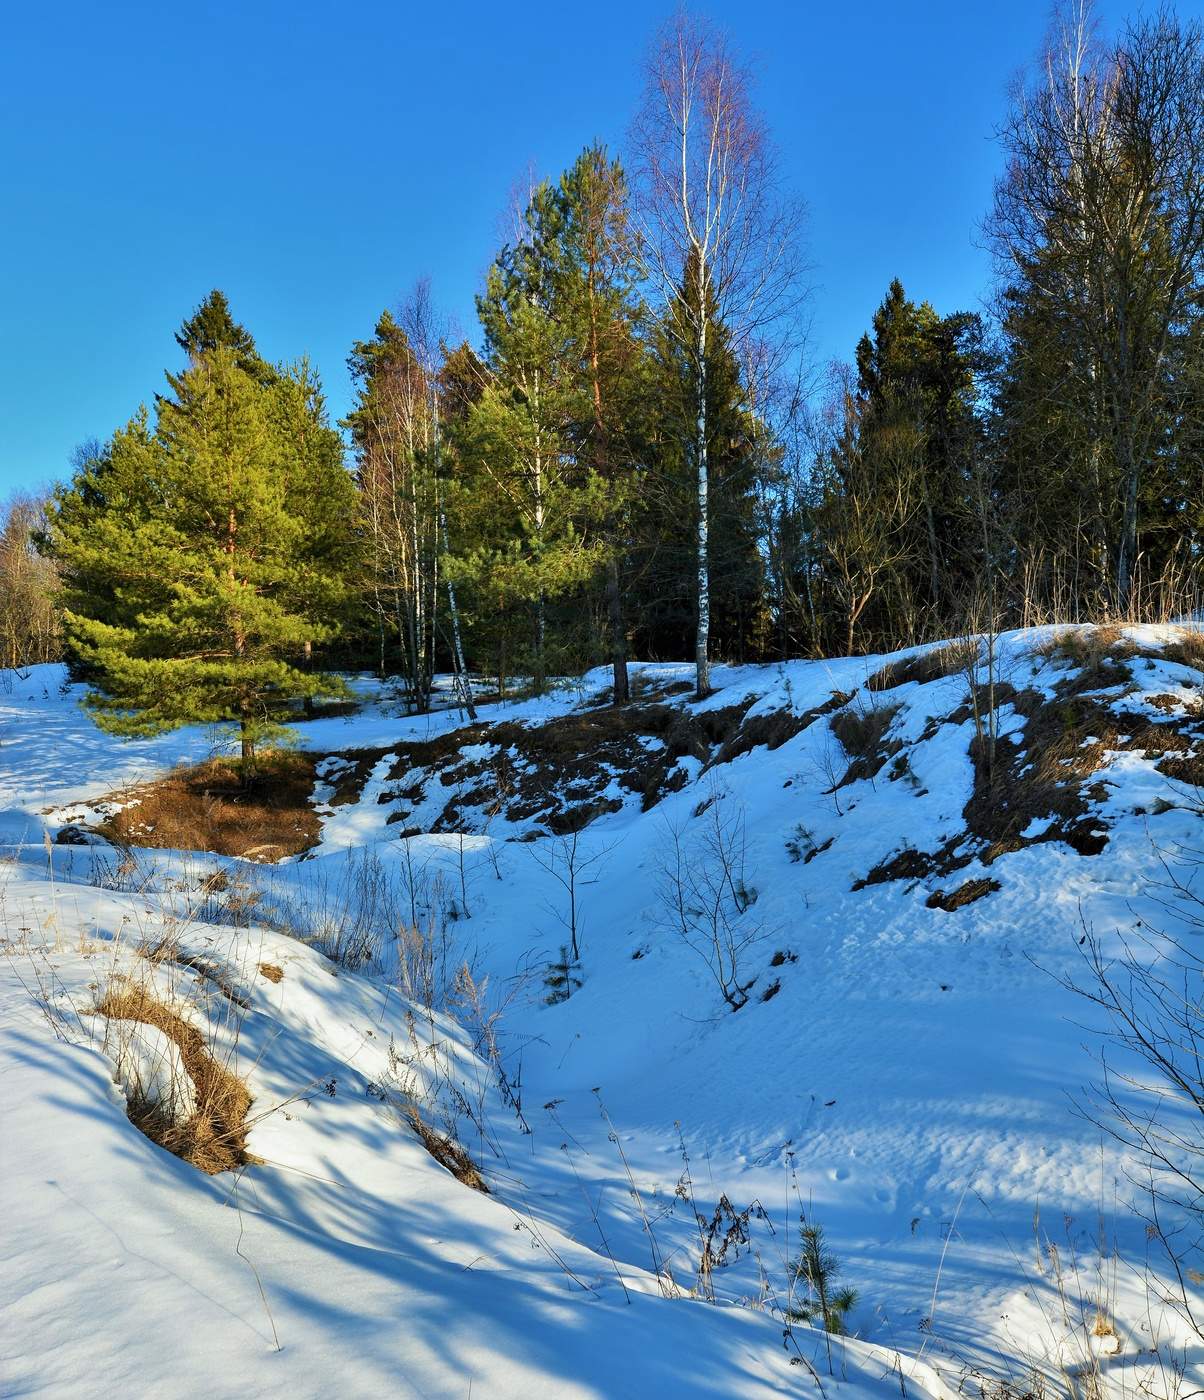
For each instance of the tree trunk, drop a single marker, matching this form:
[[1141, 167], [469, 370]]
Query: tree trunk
[[541, 634], [1126, 559], [246, 744], [618, 640], [702, 642], [461, 671]]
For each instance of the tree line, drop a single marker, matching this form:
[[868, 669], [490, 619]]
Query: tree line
[[631, 460]]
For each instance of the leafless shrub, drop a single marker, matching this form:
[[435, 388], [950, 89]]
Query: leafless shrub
[[568, 859], [1150, 1094], [705, 895], [350, 916]]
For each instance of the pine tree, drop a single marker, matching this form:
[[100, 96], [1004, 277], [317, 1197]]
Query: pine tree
[[200, 556], [595, 276], [542, 505], [562, 978], [817, 1269], [319, 493]]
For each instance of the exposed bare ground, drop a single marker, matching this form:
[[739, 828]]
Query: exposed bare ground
[[963, 895], [1053, 772], [556, 773], [206, 807]]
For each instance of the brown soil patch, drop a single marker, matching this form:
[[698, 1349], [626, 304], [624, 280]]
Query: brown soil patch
[[207, 808], [908, 864], [554, 773], [272, 972], [214, 1138], [810, 855], [776, 728], [963, 895], [347, 772], [448, 1153]]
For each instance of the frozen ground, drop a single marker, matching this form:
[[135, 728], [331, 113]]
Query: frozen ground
[[910, 1083]]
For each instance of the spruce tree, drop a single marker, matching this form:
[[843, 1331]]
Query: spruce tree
[[897, 501], [212, 324], [667, 593]]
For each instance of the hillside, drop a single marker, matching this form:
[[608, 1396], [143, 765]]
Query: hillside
[[826, 919]]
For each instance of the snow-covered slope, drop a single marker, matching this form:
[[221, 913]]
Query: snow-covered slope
[[903, 897]]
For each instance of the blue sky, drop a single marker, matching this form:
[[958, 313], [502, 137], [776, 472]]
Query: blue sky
[[314, 159]]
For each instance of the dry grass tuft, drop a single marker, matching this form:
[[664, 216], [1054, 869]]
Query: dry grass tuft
[[1102, 1326], [862, 735], [963, 895], [272, 972], [1090, 648], [448, 1153], [214, 1138], [933, 665], [860, 731], [1187, 649]]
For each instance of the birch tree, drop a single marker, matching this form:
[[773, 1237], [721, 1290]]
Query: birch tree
[[390, 432], [720, 239]]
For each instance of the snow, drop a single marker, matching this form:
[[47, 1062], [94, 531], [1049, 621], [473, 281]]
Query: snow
[[911, 1084], [149, 1067]]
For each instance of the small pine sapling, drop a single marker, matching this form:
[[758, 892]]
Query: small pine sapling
[[563, 977], [801, 844], [817, 1269]]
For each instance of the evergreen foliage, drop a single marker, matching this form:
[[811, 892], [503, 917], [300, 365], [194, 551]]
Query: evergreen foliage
[[738, 472], [204, 552], [563, 977], [824, 1303], [628, 463]]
